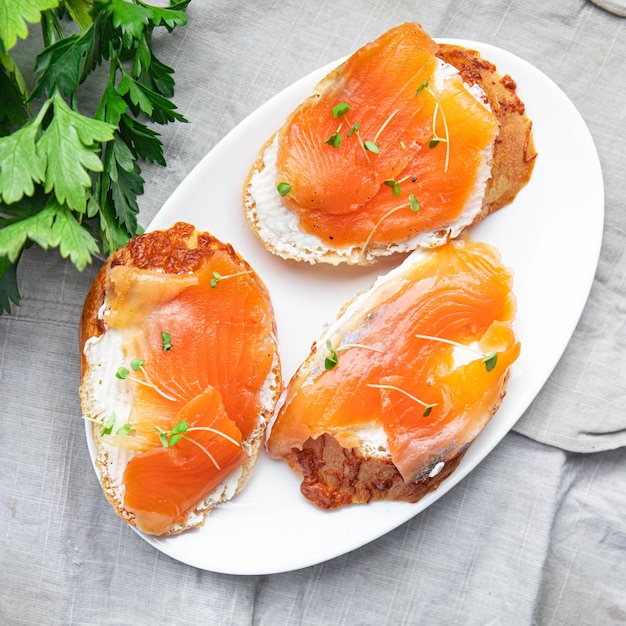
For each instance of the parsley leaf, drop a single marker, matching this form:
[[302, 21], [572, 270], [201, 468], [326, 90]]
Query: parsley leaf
[[73, 240], [36, 227], [70, 179], [154, 105], [20, 164], [142, 140], [14, 15], [13, 112], [66, 147], [59, 66]]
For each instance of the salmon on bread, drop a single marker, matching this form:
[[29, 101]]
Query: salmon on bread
[[405, 144], [399, 386], [180, 374]]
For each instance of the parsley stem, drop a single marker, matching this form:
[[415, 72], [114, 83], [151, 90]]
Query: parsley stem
[[50, 28]]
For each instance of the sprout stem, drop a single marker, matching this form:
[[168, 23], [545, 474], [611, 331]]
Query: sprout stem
[[489, 359], [148, 383], [426, 405], [380, 130], [438, 108], [215, 432], [376, 226], [197, 443]]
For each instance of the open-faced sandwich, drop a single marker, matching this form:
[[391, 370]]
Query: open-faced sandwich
[[398, 387], [180, 374], [405, 144]]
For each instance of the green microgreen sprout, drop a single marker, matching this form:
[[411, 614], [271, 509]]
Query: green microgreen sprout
[[354, 129], [335, 139], [428, 407], [395, 186], [332, 359], [340, 109], [217, 277], [137, 365], [126, 429], [489, 359], [283, 189], [107, 427], [371, 146], [122, 373], [166, 341], [424, 85], [436, 139], [172, 437], [179, 431]]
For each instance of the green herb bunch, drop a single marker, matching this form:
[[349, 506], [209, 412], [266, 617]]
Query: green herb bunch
[[69, 179]]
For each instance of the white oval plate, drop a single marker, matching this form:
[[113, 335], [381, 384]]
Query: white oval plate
[[550, 236]]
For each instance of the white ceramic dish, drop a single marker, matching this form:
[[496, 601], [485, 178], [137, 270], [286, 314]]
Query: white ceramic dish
[[550, 236]]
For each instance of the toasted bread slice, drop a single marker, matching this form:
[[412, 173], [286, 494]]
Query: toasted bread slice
[[191, 285], [398, 387]]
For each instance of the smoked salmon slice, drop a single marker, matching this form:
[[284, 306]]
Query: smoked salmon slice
[[406, 133], [164, 483], [186, 329], [411, 372], [378, 83]]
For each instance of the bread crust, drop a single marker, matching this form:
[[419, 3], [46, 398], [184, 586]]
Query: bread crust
[[512, 163], [178, 250], [334, 476], [514, 151]]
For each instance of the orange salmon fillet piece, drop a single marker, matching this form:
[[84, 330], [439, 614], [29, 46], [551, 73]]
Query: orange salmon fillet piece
[[345, 193], [429, 398], [377, 81], [207, 370]]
